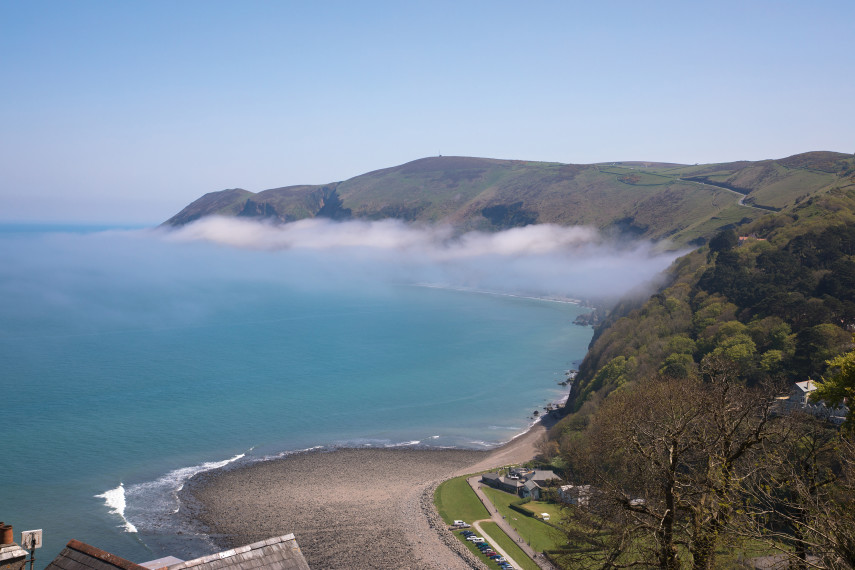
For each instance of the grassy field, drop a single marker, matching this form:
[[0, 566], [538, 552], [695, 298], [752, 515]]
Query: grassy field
[[455, 500], [509, 546], [539, 507], [537, 533]]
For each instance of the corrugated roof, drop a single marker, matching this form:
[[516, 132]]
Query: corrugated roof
[[280, 553], [80, 556]]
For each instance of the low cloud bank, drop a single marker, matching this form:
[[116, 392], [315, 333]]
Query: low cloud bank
[[541, 259]]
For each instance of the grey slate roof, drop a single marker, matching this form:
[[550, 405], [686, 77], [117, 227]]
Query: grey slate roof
[[279, 553], [543, 475], [80, 556]]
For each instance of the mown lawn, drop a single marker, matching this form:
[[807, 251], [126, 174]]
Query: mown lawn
[[540, 535], [455, 500], [540, 507], [505, 543]]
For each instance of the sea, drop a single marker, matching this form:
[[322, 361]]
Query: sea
[[130, 362]]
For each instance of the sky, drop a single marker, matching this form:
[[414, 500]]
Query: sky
[[124, 112]]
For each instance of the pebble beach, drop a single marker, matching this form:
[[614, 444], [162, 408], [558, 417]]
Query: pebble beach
[[349, 508]]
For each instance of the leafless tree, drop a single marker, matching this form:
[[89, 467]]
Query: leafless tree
[[668, 458], [802, 502]]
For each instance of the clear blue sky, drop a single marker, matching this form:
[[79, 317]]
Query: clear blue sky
[[126, 111]]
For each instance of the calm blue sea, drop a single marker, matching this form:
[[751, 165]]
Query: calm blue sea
[[130, 362]]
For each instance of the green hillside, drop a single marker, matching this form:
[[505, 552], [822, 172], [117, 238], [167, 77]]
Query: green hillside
[[786, 292], [679, 415], [683, 203]]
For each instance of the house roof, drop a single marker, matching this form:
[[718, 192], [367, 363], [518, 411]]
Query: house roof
[[80, 556], [544, 475], [279, 553], [11, 552], [806, 386], [510, 482]]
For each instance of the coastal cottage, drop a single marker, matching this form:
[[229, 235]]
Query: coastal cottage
[[530, 489], [800, 392], [799, 400], [537, 482], [501, 483], [525, 483], [575, 494], [543, 476]]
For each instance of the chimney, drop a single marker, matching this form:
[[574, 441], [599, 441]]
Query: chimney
[[6, 534]]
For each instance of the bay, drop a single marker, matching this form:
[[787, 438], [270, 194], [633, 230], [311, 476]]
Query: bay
[[130, 362]]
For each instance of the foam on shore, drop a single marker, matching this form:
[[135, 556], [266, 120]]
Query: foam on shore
[[116, 503]]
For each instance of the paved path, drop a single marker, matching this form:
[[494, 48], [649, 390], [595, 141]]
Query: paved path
[[493, 544], [506, 526]]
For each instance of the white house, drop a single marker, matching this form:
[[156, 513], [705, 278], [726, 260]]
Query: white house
[[575, 494]]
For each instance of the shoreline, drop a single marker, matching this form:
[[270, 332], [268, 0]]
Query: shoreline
[[348, 507]]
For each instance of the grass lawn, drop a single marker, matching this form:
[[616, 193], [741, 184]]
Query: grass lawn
[[455, 500], [505, 543], [539, 507], [540, 535]]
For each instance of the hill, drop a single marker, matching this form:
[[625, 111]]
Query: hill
[[686, 204], [777, 294], [679, 415]]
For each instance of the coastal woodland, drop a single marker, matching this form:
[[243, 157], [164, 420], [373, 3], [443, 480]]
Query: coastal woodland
[[676, 432], [676, 426]]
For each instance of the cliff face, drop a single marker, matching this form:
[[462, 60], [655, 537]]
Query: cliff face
[[686, 204]]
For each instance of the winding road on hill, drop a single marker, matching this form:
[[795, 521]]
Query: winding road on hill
[[741, 200]]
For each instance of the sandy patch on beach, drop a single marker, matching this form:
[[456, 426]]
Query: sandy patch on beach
[[349, 508]]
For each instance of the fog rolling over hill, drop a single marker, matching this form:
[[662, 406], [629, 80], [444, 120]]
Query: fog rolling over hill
[[545, 260], [684, 204]]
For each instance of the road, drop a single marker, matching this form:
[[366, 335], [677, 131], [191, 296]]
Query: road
[[741, 200], [495, 517]]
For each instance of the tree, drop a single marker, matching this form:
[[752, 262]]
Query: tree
[[723, 241], [840, 386], [802, 502], [668, 458]]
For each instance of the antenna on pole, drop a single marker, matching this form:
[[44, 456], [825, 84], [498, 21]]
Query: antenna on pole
[[32, 539]]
